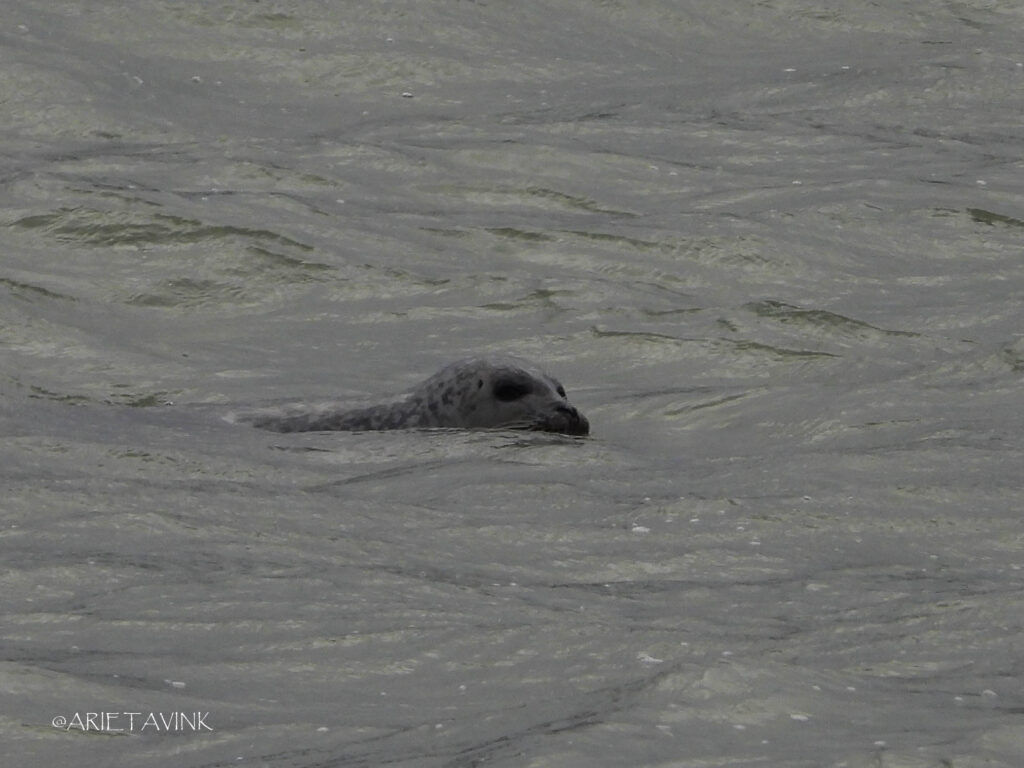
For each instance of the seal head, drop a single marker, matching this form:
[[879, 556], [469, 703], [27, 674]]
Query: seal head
[[494, 392]]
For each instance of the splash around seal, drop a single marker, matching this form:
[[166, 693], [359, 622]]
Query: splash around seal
[[491, 392]]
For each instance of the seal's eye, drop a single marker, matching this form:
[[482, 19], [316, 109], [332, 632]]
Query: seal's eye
[[507, 390], [560, 391]]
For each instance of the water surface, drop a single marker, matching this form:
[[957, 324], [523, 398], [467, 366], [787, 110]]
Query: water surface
[[774, 253]]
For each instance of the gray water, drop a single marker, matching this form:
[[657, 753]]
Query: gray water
[[774, 252]]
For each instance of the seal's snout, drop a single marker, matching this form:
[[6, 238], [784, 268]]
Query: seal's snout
[[579, 424], [571, 421]]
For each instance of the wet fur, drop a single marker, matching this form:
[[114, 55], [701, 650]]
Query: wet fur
[[497, 392]]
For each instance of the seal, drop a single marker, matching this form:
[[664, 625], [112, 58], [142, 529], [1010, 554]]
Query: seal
[[492, 392]]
